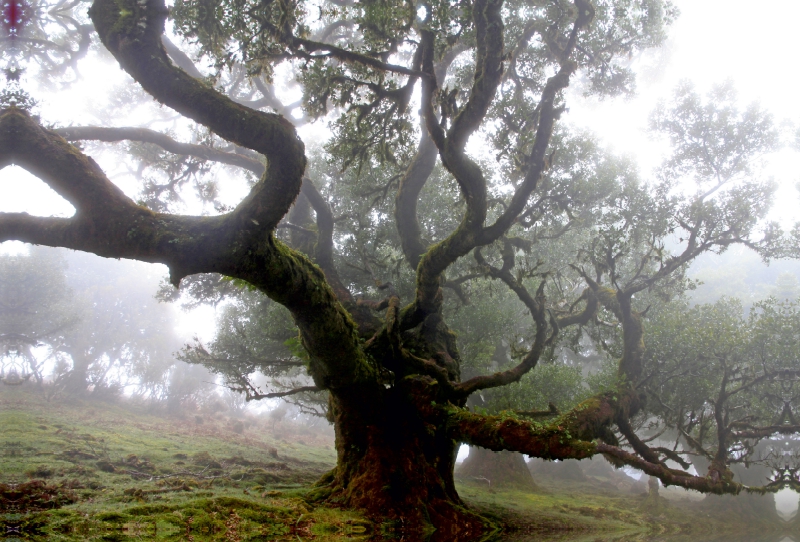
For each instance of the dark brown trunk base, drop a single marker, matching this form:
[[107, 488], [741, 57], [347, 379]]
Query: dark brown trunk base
[[398, 470]]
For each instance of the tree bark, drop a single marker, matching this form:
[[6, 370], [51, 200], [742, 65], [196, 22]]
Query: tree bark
[[395, 464]]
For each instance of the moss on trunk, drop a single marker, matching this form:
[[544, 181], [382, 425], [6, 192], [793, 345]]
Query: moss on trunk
[[398, 467]]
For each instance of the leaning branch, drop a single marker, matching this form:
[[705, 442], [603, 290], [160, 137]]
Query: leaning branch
[[278, 394], [145, 135], [535, 305], [323, 253], [705, 484], [239, 244], [133, 32]]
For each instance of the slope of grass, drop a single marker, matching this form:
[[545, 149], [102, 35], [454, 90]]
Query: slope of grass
[[88, 470]]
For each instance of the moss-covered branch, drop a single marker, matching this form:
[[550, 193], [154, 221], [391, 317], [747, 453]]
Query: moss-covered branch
[[719, 480], [573, 435], [569, 436], [109, 224]]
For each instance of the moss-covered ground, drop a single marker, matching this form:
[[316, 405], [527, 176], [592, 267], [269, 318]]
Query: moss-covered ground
[[90, 470]]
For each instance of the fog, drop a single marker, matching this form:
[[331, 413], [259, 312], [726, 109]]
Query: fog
[[220, 370]]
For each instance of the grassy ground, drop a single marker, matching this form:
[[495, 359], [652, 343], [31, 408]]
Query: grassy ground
[[75, 470], [581, 512]]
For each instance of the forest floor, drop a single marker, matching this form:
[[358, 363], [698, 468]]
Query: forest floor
[[90, 470]]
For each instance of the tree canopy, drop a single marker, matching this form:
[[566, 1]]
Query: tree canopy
[[448, 203]]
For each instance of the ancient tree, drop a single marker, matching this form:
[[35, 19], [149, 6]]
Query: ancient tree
[[387, 357]]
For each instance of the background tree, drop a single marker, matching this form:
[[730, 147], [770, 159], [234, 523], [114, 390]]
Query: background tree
[[256, 350], [36, 309], [100, 326], [721, 381], [125, 338]]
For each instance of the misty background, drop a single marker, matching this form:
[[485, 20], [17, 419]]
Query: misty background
[[113, 330]]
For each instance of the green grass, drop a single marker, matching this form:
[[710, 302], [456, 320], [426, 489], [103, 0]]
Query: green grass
[[126, 474], [131, 473], [591, 511]]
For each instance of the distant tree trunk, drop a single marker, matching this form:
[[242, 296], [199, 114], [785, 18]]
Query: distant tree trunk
[[653, 500], [78, 378], [568, 470], [496, 469], [652, 487]]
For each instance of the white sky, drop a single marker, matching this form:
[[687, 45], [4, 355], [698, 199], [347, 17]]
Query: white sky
[[712, 41]]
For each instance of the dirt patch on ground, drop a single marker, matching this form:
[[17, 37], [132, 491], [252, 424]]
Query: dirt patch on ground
[[34, 496]]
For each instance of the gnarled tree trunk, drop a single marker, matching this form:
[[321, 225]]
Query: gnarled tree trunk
[[395, 465]]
